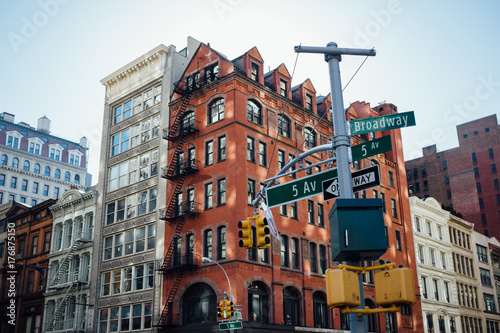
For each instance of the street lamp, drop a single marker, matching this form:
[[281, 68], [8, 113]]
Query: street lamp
[[205, 259]]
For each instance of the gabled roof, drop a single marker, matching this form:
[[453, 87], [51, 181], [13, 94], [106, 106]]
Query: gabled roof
[[306, 84], [281, 69]]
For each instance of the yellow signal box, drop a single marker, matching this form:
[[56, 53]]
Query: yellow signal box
[[220, 309], [394, 287], [245, 233], [262, 229], [229, 309], [342, 288]]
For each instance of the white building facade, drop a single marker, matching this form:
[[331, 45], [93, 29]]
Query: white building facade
[[36, 165], [132, 193], [436, 276], [68, 288]]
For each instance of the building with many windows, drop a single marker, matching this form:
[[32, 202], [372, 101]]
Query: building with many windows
[[129, 234], [28, 274], [464, 178], [231, 128], [68, 282], [36, 165], [436, 274]]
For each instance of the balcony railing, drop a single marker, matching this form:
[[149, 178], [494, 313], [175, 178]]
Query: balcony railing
[[187, 208], [186, 168], [192, 126], [189, 260]]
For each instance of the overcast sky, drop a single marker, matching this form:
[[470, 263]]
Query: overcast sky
[[437, 58]]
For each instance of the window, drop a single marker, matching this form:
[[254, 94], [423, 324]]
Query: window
[[222, 245], [391, 179], [485, 277], [493, 168], [417, 223], [34, 245], [283, 88], [15, 162], [443, 260], [221, 192], [310, 138], [310, 211], [489, 303], [262, 154], [46, 242], [208, 196], [283, 210], [13, 139], [291, 306], [490, 152], [423, 171], [255, 72], [199, 304], [134, 240], [212, 73], [216, 111], [26, 166], [254, 112], [309, 105], [476, 172], [474, 159], [398, 241], [13, 182], [382, 196], [207, 244], [55, 152], [193, 82], [421, 254], [209, 153], [423, 286], [126, 318], [284, 126], [221, 154], [482, 254], [250, 149], [313, 260], [258, 304], [281, 159], [284, 251], [2, 179], [478, 187], [394, 208], [322, 259], [295, 253], [294, 214], [250, 191], [321, 220], [122, 112]]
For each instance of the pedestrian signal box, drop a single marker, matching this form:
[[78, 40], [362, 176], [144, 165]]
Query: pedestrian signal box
[[342, 288], [394, 287], [357, 229]]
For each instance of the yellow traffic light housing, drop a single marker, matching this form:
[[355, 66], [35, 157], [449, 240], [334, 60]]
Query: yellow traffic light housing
[[262, 229], [245, 233], [221, 308], [229, 309], [342, 288], [394, 287]]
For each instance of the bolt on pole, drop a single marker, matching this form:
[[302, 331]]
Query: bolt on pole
[[341, 141]]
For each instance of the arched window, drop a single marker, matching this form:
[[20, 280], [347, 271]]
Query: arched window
[[372, 319], [222, 243], [216, 111], [15, 162], [57, 174], [36, 169], [258, 303], [320, 310], [199, 304], [254, 112], [26, 166], [284, 126], [47, 171], [310, 138], [77, 179], [5, 159], [291, 306], [66, 176]]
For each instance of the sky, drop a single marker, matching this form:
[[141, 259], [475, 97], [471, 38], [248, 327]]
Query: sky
[[436, 58]]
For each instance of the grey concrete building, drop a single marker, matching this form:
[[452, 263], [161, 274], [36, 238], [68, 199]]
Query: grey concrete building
[[129, 234]]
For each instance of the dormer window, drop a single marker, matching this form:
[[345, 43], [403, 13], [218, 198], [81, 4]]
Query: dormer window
[[55, 152], [193, 82], [283, 88], [309, 105], [13, 139], [255, 72], [212, 73], [35, 145], [74, 157]]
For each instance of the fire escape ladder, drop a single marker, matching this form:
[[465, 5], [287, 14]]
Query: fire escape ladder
[[64, 264], [59, 312], [166, 314]]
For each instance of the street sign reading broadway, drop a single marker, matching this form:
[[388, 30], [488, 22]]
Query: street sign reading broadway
[[382, 123], [361, 180], [298, 189]]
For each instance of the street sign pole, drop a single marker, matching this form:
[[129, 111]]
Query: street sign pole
[[341, 143]]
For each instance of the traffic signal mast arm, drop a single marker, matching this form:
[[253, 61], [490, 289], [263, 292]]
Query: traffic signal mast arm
[[282, 173]]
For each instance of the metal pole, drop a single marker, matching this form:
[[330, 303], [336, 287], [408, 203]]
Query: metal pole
[[341, 143], [229, 283]]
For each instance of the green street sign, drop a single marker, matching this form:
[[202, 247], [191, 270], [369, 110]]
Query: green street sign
[[237, 315], [298, 189], [382, 123], [370, 148], [231, 325]]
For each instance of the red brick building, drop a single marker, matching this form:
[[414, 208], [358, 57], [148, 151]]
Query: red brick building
[[33, 228], [232, 127], [465, 177]]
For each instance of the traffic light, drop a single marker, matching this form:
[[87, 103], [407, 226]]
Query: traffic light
[[394, 287], [342, 288], [245, 233], [262, 229], [229, 309], [221, 309]]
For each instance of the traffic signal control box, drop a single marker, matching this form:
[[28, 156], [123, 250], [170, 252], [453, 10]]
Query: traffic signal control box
[[342, 288], [394, 287], [357, 229]]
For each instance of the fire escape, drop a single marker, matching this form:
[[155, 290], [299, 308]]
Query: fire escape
[[182, 126], [67, 286]]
